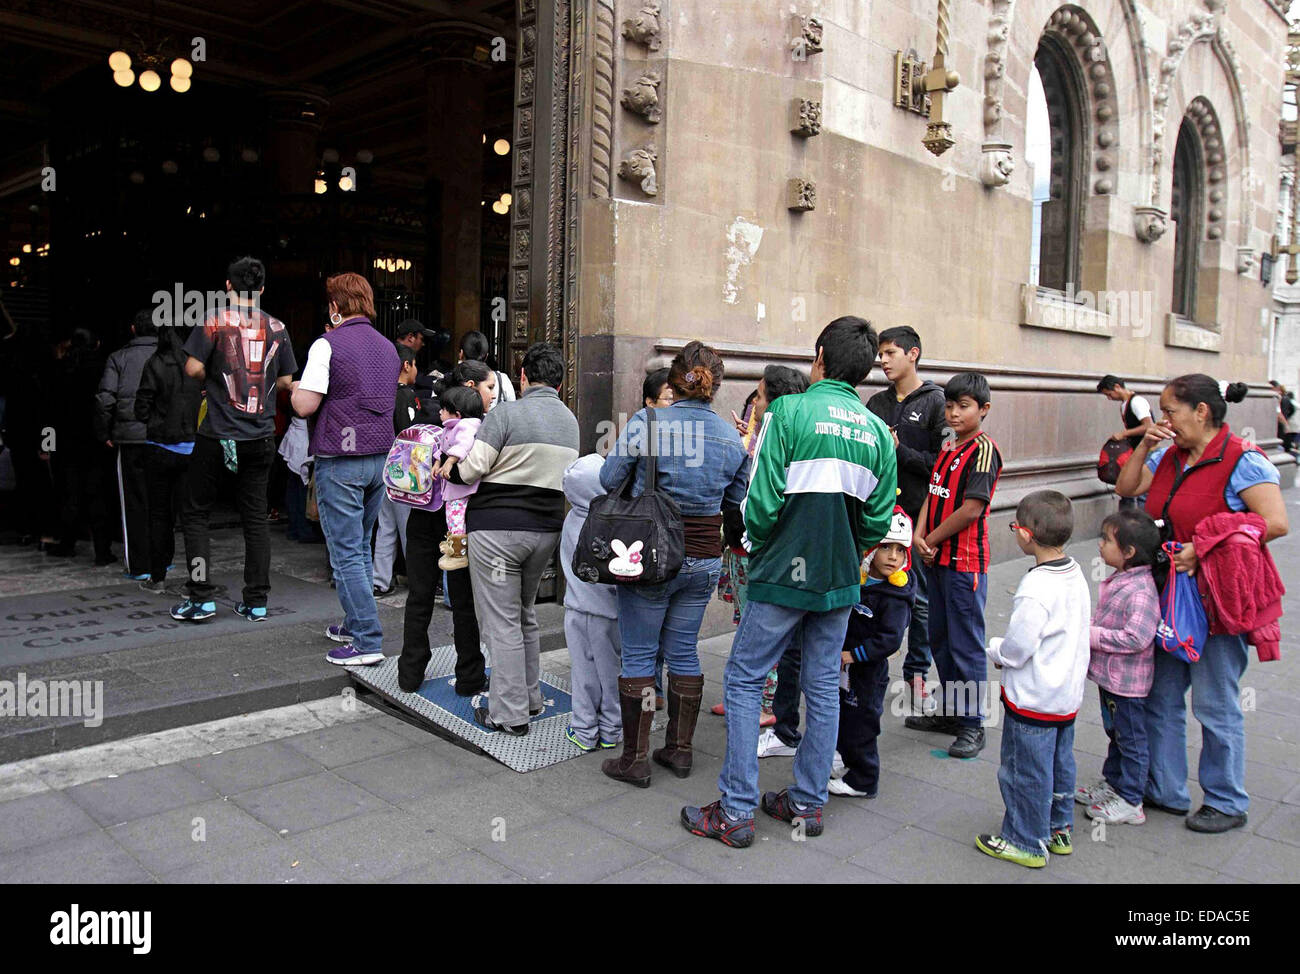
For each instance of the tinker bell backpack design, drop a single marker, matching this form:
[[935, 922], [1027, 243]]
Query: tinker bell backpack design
[[408, 471]]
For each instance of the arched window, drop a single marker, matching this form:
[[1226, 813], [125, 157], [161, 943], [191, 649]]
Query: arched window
[[1189, 221], [1054, 145]]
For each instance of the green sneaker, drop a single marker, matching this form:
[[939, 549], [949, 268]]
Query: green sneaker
[[1000, 848], [1061, 843]]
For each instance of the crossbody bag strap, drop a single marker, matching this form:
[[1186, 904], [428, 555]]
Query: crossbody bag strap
[[652, 457], [1182, 475]]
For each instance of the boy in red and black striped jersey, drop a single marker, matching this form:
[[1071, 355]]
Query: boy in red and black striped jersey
[[952, 538]]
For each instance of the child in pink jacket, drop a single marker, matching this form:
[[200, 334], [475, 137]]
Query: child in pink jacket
[[1122, 640], [462, 414]]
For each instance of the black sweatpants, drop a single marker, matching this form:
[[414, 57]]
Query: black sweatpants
[[861, 706], [206, 466], [424, 532], [165, 478], [133, 487]]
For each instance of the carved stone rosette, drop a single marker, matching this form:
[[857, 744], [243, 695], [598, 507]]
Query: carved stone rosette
[[1149, 223], [638, 166], [644, 28], [801, 194], [805, 117], [642, 97], [997, 163], [809, 40]]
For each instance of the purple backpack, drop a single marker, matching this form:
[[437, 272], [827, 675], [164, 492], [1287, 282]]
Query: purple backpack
[[408, 470]]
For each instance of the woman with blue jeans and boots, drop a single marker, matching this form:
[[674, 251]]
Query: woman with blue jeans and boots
[[1191, 467], [703, 466]]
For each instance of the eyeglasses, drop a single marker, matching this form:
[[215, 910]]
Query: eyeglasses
[[1020, 527], [666, 400]]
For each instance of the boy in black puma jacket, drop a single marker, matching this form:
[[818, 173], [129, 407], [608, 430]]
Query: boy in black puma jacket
[[875, 633]]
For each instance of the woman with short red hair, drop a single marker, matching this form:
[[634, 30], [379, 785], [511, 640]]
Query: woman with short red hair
[[347, 391]]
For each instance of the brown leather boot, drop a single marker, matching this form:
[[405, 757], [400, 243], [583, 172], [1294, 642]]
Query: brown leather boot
[[684, 694], [633, 767]]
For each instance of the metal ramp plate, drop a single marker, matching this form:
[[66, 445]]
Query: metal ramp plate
[[437, 708]]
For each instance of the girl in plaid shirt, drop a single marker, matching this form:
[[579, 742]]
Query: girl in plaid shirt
[[1123, 661]]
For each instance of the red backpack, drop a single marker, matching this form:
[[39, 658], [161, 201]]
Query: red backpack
[[1113, 457]]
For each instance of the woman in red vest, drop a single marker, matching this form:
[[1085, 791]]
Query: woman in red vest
[[1192, 466]]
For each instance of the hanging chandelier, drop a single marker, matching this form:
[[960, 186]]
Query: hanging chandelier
[[152, 65]]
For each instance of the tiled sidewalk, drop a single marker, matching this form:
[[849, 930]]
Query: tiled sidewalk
[[323, 793]]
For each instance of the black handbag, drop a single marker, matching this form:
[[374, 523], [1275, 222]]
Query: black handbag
[[630, 540]]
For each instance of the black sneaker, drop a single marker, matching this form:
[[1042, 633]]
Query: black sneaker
[[711, 822], [191, 611], [781, 806], [1212, 820], [482, 718], [1150, 803], [934, 723], [380, 592], [970, 741], [153, 588]]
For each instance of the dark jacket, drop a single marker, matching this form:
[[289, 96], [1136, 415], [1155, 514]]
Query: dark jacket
[[919, 423], [877, 622], [115, 402], [167, 401]]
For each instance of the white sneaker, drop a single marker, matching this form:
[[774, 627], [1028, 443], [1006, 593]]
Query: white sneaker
[[1117, 811], [1094, 794], [771, 746], [838, 786], [838, 768]]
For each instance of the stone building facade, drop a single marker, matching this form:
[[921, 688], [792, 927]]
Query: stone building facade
[[741, 172]]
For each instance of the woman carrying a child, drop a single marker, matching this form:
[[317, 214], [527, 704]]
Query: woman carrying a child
[[1193, 469], [429, 532]]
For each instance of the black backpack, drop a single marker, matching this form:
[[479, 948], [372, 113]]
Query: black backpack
[[632, 540]]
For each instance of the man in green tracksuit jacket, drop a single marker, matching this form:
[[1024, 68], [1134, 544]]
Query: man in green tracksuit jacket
[[821, 494]]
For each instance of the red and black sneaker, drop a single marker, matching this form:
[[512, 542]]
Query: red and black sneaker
[[781, 806], [713, 823]]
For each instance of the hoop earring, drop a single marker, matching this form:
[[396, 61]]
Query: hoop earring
[[336, 319]]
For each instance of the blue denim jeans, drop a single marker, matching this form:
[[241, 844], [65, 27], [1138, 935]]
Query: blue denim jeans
[[349, 491], [957, 641], [1127, 758], [667, 617], [1216, 704], [765, 631], [917, 662], [1037, 782]]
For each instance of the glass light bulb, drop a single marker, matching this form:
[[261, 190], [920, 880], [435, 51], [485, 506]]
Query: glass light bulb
[[124, 78], [182, 68], [345, 183], [119, 61], [180, 84], [507, 199], [150, 81], [501, 147], [320, 186]]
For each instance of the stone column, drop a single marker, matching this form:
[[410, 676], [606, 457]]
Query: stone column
[[455, 118]]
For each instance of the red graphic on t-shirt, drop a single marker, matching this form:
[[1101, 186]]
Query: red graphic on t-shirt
[[245, 341]]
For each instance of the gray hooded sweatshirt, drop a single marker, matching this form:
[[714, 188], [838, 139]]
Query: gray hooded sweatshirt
[[581, 484]]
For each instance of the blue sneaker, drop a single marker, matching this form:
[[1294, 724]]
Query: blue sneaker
[[136, 578], [573, 739], [713, 823], [608, 745], [251, 613], [338, 633], [349, 655], [191, 611]]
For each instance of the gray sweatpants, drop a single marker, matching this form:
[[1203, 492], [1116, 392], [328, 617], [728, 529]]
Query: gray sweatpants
[[506, 568], [594, 654]]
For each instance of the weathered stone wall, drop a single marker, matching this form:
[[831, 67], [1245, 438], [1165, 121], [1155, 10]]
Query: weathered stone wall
[[712, 249]]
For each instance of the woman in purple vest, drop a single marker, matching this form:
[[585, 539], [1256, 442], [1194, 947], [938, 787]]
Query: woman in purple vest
[[347, 391]]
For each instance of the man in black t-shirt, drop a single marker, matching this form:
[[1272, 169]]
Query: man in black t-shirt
[[242, 355]]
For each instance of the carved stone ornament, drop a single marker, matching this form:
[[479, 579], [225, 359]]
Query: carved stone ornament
[[805, 117], [809, 41], [642, 97], [639, 165], [1245, 260], [1150, 223], [997, 163], [801, 194], [644, 27]]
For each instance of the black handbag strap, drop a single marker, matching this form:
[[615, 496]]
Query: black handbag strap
[[652, 457]]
